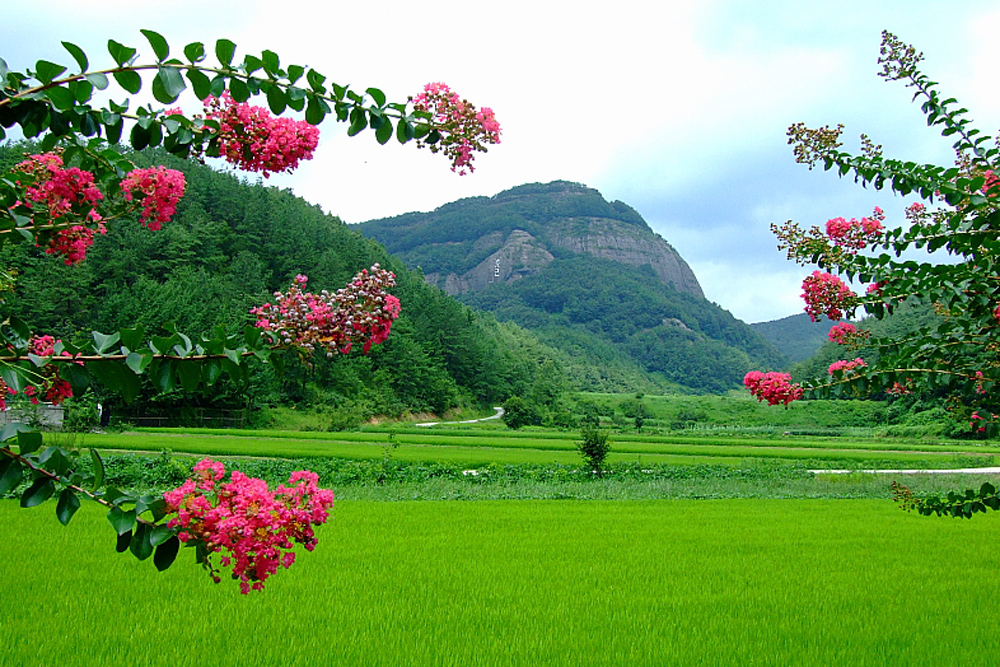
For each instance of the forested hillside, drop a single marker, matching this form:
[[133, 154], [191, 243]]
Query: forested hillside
[[796, 336], [228, 248], [589, 277]]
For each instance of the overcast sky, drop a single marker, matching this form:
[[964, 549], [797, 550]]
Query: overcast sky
[[676, 108]]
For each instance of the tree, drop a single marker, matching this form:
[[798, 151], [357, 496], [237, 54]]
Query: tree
[[955, 221], [82, 179], [594, 447]]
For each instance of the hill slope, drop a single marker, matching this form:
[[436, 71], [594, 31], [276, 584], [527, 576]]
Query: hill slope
[[588, 276]]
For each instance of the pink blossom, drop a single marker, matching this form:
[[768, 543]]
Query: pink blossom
[[60, 190], [846, 366], [842, 332], [361, 312], [772, 387], [159, 189], [463, 129], [254, 140], [855, 234], [252, 528], [826, 294]]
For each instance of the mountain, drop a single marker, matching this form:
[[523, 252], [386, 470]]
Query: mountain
[[473, 243], [589, 277], [230, 245], [795, 336]]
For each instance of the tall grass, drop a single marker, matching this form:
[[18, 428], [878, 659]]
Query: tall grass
[[527, 583]]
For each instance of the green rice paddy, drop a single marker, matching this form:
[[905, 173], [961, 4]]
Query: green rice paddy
[[732, 582], [472, 448]]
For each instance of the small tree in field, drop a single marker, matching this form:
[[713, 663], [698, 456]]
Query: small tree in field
[[79, 179], [955, 219], [594, 447]]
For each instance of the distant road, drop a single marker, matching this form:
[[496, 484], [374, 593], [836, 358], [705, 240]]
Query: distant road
[[497, 415]]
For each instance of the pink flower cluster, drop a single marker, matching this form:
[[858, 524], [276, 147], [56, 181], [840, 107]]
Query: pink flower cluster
[[73, 243], [254, 140], [159, 188], [362, 312], [845, 366], [992, 184], [60, 190], [772, 387], [52, 387], [463, 128], [842, 332], [855, 234], [826, 294], [253, 528], [5, 391]]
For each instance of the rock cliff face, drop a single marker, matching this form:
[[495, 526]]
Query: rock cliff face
[[618, 241], [471, 244]]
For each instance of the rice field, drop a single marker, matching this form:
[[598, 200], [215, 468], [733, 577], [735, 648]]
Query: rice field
[[472, 449], [733, 582]]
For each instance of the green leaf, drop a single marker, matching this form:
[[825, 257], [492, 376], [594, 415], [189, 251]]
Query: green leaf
[[78, 55], [121, 54], [132, 338], [359, 121], [124, 540], [47, 71], [40, 491], [159, 44], [82, 91], [140, 546], [295, 73], [190, 375], [224, 51], [271, 63], [10, 475], [128, 79], [161, 533], [166, 553], [404, 131], [138, 362], [104, 342], [315, 112], [168, 85], [238, 89], [194, 52], [98, 465], [98, 79], [276, 100], [384, 133], [162, 376], [67, 505], [62, 98], [200, 83], [121, 520], [28, 442]]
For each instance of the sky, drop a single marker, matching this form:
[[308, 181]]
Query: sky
[[679, 109]]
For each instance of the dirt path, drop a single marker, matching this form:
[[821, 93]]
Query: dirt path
[[497, 415]]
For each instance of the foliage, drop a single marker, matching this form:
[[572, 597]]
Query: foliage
[[83, 178], [622, 327], [518, 412], [955, 353], [594, 447]]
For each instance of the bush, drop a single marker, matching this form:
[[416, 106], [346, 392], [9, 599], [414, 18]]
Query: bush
[[594, 447]]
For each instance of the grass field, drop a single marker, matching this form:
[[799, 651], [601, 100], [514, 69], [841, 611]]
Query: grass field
[[735, 582], [473, 448]]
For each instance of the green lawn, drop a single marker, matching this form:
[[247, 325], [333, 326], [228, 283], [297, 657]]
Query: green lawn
[[733, 582]]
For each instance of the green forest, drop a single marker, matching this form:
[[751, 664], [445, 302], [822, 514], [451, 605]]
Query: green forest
[[230, 246]]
